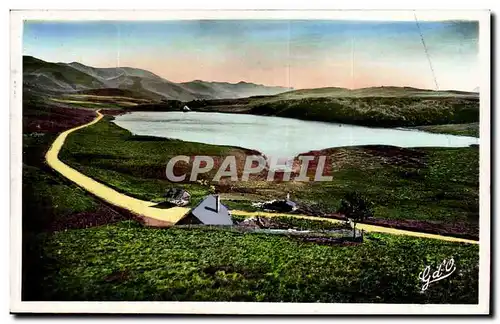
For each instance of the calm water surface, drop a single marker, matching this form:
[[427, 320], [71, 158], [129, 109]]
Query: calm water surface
[[275, 136]]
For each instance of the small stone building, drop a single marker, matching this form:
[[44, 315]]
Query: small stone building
[[177, 196]]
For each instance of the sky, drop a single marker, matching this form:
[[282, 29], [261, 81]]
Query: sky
[[292, 53]]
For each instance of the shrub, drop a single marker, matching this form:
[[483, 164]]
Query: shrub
[[356, 208]]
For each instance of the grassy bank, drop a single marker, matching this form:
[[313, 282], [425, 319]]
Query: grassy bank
[[380, 112], [366, 111], [439, 184], [129, 262], [49, 202], [47, 197], [469, 129]]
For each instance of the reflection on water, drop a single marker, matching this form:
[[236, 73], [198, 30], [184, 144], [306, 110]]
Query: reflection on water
[[275, 136]]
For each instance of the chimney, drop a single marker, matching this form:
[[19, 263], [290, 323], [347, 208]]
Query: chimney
[[217, 203]]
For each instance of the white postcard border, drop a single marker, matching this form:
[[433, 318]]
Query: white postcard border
[[18, 306]]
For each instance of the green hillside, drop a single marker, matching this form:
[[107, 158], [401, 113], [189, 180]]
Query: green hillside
[[41, 76], [390, 91], [56, 76], [375, 111], [383, 109]]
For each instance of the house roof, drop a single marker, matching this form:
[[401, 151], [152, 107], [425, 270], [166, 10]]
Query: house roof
[[176, 193], [207, 213]]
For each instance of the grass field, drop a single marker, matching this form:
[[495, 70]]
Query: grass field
[[125, 261], [128, 262], [45, 191]]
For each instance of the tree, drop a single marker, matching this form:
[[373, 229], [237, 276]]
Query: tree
[[356, 208]]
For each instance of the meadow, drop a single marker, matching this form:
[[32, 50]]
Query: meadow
[[126, 261], [437, 186]]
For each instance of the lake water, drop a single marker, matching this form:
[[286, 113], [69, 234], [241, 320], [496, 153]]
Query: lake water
[[275, 136]]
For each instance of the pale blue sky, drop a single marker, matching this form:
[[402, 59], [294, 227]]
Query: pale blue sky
[[300, 54]]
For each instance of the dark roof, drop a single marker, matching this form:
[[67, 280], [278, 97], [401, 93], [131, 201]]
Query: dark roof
[[175, 193]]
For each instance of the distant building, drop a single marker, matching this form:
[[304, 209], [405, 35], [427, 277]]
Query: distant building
[[282, 205], [293, 205], [177, 196], [210, 211]]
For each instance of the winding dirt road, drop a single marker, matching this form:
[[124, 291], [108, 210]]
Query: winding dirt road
[[136, 206], [171, 215]]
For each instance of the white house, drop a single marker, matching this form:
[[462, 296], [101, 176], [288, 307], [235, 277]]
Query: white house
[[209, 211]]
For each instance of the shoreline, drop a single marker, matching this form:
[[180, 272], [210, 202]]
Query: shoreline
[[421, 128]]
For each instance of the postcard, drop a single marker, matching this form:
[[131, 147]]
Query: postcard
[[250, 162]]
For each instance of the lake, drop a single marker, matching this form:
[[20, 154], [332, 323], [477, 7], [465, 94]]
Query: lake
[[275, 136]]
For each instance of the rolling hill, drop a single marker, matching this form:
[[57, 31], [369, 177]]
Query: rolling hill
[[56, 76], [375, 106], [39, 75], [386, 106], [386, 91]]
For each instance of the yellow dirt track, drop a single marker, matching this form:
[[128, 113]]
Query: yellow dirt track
[[137, 206], [172, 215]]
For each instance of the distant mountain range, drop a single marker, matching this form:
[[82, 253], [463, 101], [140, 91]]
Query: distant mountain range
[[42, 76]]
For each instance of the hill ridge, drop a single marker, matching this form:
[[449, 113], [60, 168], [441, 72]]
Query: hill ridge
[[76, 76]]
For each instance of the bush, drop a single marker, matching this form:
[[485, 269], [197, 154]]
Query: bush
[[356, 208]]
